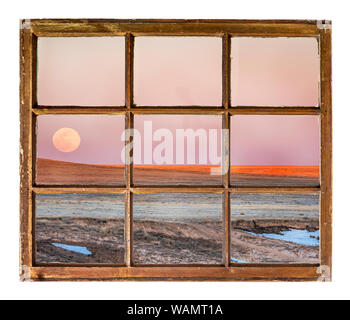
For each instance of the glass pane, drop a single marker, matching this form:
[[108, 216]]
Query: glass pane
[[178, 71], [275, 228], [275, 150], [274, 71], [86, 71], [177, 150], [80, 149], [80, 228], [178, 228]]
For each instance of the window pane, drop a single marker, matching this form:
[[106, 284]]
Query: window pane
[[275, 228], [80, 149], [274, 71], [82, 71], [79, 228], [178, 228], [177, 149], [178, 71], [275, 150]]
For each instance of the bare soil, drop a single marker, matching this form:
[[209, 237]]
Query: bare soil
[[187, 242]]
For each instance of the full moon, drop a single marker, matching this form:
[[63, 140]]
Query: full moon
[[66, 140]]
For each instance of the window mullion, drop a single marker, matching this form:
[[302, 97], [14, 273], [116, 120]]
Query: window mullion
[[226, 93], [129, 125]]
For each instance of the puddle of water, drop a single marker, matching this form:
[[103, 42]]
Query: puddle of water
[[77, 249], [237, 260], [302, 237]]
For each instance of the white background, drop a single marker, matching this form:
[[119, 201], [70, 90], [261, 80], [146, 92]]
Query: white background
[[12, 11]]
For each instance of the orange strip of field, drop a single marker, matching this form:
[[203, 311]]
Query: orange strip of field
[[291, 171]]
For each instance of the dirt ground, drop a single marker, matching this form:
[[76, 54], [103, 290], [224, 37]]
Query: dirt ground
[[186, 242]]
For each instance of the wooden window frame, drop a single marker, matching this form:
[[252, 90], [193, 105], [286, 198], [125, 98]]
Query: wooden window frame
[[30, 30]]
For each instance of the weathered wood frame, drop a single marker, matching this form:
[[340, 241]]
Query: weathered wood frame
[[29, 110]]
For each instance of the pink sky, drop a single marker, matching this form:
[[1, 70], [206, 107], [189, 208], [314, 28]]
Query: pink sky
[[100, 138], [178, 71], [182, 71], [275, 140], [89, 71], [255, 140], [173, 122], [81, 71], [274, 71]]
